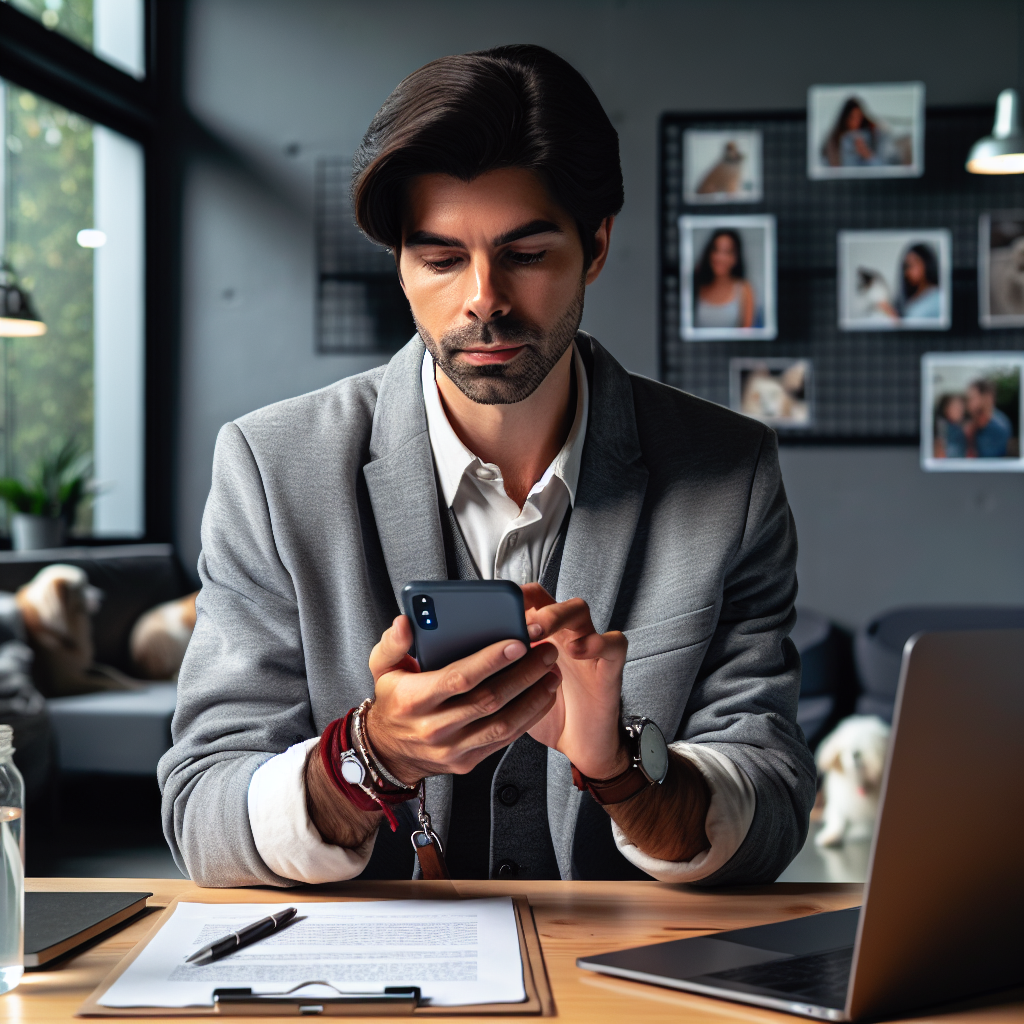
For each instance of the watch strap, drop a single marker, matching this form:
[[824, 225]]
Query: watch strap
[[615, 790]]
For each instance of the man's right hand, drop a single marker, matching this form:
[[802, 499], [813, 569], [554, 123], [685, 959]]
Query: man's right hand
[[434, 723], [449, 720]]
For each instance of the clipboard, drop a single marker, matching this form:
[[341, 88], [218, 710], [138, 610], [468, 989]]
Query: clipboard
[[394, 1002]]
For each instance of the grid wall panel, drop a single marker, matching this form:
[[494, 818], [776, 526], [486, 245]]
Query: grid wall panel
[[866, 384]]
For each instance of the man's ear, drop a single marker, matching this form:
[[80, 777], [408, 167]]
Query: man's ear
[[602, 241]]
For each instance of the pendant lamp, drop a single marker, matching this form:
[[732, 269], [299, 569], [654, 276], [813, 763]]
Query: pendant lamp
[[18, 317], [1002, 152]]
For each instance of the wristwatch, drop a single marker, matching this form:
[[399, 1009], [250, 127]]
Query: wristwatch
[[354, 772], [648, 764]]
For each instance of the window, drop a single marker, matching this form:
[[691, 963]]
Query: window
[[114, 30], [72, 231]]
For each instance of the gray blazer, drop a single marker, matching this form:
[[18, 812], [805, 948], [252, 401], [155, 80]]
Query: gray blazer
[[322, 507]]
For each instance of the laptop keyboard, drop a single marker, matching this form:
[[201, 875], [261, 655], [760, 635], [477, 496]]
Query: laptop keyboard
[[820, 978]]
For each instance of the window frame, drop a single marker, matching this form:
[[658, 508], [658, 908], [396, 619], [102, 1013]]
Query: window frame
[[151, 112]]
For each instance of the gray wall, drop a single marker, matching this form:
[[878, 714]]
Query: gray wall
[[263, 74]]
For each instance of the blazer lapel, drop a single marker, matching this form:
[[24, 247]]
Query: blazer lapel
[[609, 497], [609, 494], [400, 476]]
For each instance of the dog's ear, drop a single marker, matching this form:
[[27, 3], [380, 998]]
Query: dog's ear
[[829, 755]]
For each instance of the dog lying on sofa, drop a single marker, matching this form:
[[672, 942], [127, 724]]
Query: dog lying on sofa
[[56, 609]]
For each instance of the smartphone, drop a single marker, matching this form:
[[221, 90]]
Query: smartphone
[[452, 619]]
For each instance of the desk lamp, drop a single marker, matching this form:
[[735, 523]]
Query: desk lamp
[[1002, 152], [18, 317]]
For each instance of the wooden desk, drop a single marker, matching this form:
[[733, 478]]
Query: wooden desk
[[574, 918]]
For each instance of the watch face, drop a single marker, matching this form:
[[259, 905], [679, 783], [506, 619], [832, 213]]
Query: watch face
[[352, 771], [653, 752]]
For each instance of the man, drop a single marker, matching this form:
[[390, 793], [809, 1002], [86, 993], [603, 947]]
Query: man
[[989, 428], [501, 443]]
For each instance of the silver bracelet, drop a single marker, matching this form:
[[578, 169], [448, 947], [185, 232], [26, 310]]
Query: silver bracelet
[[367, 751]]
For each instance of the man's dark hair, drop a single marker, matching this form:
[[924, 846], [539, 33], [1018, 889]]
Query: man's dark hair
[[983, 386], [513, 106]]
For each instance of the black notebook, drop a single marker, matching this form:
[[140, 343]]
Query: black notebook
[[56, 922]]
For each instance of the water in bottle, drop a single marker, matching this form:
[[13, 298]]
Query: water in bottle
[[12, 865]]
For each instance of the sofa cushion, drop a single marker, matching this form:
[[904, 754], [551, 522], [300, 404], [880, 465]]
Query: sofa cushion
[[123, 733], [878, 646]]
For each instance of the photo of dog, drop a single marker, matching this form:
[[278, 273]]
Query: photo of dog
[[851, 759], [721, 166]]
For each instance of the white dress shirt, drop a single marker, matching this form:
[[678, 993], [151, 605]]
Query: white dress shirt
[[510, 543]]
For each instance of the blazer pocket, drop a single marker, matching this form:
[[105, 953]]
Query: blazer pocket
[[672, 634]]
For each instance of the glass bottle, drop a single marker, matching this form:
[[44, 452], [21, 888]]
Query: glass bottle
[[12, 865]]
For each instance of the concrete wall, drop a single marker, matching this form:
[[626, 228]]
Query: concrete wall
[[263, 75]]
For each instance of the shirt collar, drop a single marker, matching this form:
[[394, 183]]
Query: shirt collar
[[453, 458]]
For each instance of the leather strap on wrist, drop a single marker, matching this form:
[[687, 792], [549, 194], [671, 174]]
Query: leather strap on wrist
[[616, 790], [336, 739]]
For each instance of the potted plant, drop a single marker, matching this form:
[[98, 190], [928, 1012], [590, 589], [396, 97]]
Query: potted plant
[[44, 509]]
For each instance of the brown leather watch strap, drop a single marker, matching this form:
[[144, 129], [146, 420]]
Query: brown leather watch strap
[[615, 790]]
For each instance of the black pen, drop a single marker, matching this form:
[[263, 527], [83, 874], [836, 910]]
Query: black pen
[[243, 937]]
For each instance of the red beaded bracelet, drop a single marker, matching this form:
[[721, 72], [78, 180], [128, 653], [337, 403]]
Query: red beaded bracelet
[[373, 794]]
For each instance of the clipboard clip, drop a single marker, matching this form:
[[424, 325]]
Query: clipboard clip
[[394, 1001]]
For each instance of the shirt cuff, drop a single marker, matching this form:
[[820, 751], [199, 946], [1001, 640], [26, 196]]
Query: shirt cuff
[[285, 837], [729, 816]]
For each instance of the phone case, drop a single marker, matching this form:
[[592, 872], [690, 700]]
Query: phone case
[[467, 615]]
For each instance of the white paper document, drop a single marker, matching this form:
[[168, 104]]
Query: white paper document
[[458, 952]]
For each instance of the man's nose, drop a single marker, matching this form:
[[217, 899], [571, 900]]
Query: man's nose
[[486, 300]]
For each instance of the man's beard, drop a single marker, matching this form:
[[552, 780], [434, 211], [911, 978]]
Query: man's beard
[[514, 381]]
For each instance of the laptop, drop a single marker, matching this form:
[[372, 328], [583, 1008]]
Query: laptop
[[943, 913]]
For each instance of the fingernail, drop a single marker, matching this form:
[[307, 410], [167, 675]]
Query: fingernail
[[535, 629], [549, 655], [515, 650]]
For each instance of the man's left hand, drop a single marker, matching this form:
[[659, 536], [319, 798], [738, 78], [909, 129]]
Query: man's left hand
[[585, 722]]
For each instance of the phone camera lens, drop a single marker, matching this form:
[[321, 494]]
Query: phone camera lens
[[426, 615]]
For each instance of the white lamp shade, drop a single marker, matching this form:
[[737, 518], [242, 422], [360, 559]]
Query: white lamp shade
[[1002, 152]]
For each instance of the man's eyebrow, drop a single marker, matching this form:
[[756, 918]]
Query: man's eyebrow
[[535, 227], [429, 238]]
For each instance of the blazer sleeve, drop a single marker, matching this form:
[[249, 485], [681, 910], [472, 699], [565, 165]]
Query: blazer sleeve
[[744, 700], [242, 691]]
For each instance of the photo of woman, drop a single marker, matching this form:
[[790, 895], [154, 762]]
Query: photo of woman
[[894, 280], [855, 141], [724, 295], [857, 131], [728, 277]]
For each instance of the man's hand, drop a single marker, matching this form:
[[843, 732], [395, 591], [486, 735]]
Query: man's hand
[[430, 723], [584, 722], [665, 821]]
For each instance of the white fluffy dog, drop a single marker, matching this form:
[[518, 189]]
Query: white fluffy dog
[[852, 758]]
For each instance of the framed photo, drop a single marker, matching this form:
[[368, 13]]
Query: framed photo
[[774, 391], [894, 280], [727, 273], [971, 411], [865, 131], [721, 166], [1001, 269]]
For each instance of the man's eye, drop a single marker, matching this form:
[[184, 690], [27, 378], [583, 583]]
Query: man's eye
[[526, 258], [445, 264]]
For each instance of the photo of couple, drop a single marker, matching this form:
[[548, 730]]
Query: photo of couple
[[971, 411]]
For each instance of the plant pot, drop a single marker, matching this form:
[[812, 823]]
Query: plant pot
[[33, 533]]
